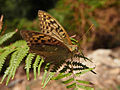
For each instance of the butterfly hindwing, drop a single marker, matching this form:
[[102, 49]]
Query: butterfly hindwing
[[50, 26], [45, 45]]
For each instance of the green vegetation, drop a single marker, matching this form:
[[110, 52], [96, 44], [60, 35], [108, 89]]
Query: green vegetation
[[76, 16], [19, 51]]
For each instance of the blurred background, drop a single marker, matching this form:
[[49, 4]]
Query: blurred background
[[76, 16]]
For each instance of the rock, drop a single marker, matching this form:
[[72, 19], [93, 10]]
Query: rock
[[107, 69]]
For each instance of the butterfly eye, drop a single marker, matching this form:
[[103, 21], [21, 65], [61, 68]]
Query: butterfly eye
[[75, 47]]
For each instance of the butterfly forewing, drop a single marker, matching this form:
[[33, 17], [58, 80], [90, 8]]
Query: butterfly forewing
[[36, 38], [50, 26]]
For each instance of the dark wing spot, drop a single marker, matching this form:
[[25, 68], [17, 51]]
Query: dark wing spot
[[56, 30], [36, 40], [33, 38], [48, 24], [58, 27], [52, 22], [37, 43], [61, 30], [46, 27], [44, 16], [54, 40], [44, 19], [51, 29], [41, 36], [47, 31], [64, 35], [43, 26], [49, 40], [45, 22], [49, 18], [42, 41]]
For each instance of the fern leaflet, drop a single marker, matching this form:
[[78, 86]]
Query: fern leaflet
[[6, 37], [28, 62], [35, 65]]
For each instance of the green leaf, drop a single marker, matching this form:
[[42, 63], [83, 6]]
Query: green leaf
[[50, 75], [39, 66], [9, 70], [68, 81], [84, 82], [45, 73], [21, 54], [5, 74], [74, 41], [44, 76], [15, 60], [76, 88], [35, 65], [1, 50], [83, 71], [71, 85], [6, 37], [28, 62], [85, 87], [4, 55], [61, 75]]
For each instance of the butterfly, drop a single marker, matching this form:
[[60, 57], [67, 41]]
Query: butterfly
[[52, 42]]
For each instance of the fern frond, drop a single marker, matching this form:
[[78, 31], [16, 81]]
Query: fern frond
[[20, 43], [44, 77], [50, 76], [71, 85], [61, 75], [83, 87], [28, 62], [15, 60], [6, 36], [84, 82], [21, 54], [45, 72], [35, 65], [83, 71], [39, 66], [68, 81], [10, 68], [72, 81], [4, 55], [1, 50]]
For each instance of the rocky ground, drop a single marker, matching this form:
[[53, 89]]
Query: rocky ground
[[106, 61], [107, 68]]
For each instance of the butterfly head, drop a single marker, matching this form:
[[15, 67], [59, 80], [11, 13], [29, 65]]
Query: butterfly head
[[73, 48]]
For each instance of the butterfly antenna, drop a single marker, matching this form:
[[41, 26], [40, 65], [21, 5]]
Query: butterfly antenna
[[87, 31]]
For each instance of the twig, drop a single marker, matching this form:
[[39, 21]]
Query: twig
[[1, 22]]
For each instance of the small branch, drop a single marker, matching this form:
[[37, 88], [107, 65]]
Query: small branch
[[1, 22]]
